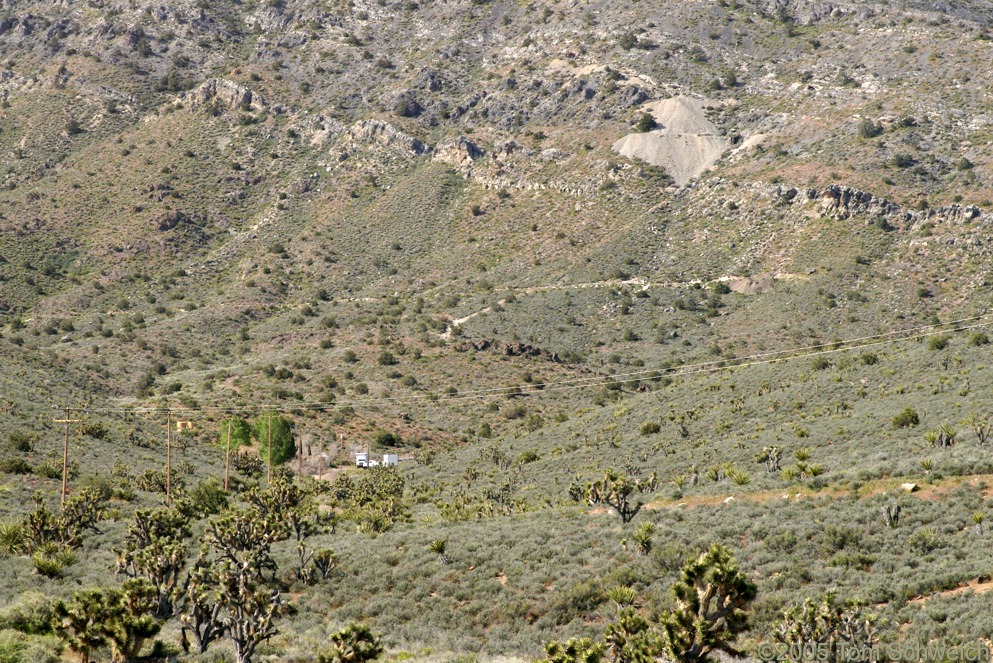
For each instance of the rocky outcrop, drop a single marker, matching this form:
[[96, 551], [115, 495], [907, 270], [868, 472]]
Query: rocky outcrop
[[806, 12], [226, 93], [459, 152], [843, 202], [170, 220], [504, 150], [385, 134]]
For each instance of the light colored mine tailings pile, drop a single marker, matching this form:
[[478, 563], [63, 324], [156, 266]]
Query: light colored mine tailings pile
[[686, 145]]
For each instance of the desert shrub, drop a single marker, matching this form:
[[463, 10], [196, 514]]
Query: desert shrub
[[101, 485], [939, 342], [869, 129], [208, 498], [94, 429], [15, 466], [908, 418], [527, 457], [21, 441], [31, 614], [51, 467], [577, 601], [651, 428], [903, 160], [978, 338], [16, 647], [645, 123], [869, 359], [385, 439], [820, 363]]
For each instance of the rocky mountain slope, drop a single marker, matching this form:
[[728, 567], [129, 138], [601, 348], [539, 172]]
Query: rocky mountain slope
[[481, 222]]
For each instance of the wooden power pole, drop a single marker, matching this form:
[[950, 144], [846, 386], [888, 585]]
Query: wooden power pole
[[169, 455], [65, 447], [227, 456]]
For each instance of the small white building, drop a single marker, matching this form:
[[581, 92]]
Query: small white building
[[362, 459]]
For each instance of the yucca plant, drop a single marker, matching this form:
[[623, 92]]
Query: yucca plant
[[44, 565], [790, 473], [622, 596], [643, 537], [739, 477], [440, 548], [12, 539]]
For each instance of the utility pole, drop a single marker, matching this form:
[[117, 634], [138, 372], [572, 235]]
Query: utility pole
[[169, 456], [300, 459], [320, 461], [65, 447], [227, 455]]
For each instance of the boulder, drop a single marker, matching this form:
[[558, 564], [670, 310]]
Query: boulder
[[227, 93], [459, 152], [385, 134]]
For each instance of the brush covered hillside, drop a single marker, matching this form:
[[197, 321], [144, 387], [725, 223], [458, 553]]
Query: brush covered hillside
[[731, 259]]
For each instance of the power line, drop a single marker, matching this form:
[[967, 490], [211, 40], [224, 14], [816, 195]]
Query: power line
[[841, 345]]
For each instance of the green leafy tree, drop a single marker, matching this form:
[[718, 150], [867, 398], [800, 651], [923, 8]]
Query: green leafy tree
[[280, 429], [241, 433], [711, 596]]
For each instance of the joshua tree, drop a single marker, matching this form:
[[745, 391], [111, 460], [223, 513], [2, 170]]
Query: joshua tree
[[827, 624], [81, 623], [353, 644], [202, 609], [615, 490], [891, 513], [577, 650], [711, 596], [631, 639], [249, 612], [119, 617], [154, 549]]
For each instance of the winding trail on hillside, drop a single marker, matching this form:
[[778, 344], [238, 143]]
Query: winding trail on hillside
[[738, 284]]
